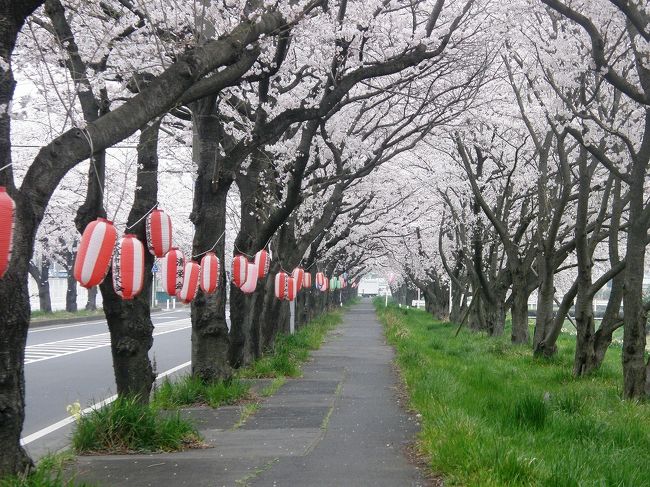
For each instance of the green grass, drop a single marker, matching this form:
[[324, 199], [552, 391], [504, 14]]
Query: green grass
[[193, 391], [289, 351], [126, 426], [273, 387], [82, 313], [48, 473], [494, 415]]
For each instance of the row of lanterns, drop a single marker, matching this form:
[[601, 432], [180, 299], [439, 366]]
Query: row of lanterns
[[100, 248]]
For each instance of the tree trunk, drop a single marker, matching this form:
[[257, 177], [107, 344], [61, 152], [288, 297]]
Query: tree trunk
[[71, 291], [519, 310], [129, 321], [634, 338], [210, 340], [584, 309], [91, 302], [14, 292], [545, 297], [41, 275]]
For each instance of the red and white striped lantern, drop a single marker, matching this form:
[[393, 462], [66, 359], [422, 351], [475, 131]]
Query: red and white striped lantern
[[321, 281], [251, 279], [95, 252], [172, 271], [326, 284], [7, 218], [281, 285], [159, 233], [306, 281], [292, 289], [209, 273], [299, 276], [263, 262], [188, 290], [128, 267], [239, 270]]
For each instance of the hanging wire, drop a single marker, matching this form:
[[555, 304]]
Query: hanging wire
[[311, 265], [143, 217], [211, 248], [5, 167], [86, 134], [242, 252]]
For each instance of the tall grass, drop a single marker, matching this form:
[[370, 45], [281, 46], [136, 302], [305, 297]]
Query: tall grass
[[191, 390], [126, 425], [492, 414]]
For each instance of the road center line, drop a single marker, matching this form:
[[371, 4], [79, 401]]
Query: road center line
[[69, 420]]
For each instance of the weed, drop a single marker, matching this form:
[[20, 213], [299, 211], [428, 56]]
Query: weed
[[127, 425], [191, 390]]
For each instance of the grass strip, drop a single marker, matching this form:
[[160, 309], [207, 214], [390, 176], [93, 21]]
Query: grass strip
[[289, 351], [494, 415], [82, 313]]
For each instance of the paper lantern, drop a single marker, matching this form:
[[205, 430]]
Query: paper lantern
[[188, 290], [321, 281], [239, 270], [281, 284], [95, 252], [299, 275], [263, 262], [306, 281], [342, 282], [251, 279], [333, 283], [128, 267], [292, 289], [172, 271], [209, 273], [7, 218], [159, 233]]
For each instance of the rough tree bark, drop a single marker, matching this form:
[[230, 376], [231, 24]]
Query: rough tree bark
[[210, 340]]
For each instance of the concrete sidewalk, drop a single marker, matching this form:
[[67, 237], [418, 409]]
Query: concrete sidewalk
[[338, 425]]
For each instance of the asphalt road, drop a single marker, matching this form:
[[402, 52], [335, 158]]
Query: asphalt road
[[68, 363]]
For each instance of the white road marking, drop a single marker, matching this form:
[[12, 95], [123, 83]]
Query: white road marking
[[64, 422], [94, 322], [61, 348]]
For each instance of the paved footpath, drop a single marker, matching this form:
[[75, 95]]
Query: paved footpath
[[338, 425]]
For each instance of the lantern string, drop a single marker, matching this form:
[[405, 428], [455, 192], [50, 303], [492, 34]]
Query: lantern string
[[268, 242], [142, 217], [310, 265], [5, 167], [242, 252], [211, 248], [86, 134]]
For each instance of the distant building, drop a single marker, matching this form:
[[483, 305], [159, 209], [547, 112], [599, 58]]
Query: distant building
[[373, 285]]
